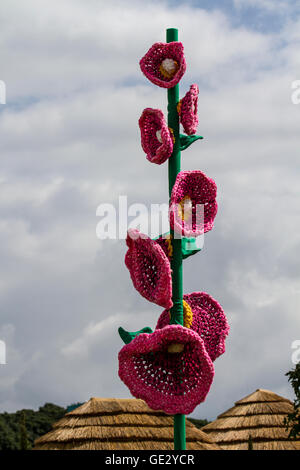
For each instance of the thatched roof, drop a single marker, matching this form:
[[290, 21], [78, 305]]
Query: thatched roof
[[259, 415], [118, 424]]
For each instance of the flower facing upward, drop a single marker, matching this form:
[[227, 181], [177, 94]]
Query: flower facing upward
[[157, 139], [207, 319], [187, 110], [164, 64], [168, 378], [193, 204]]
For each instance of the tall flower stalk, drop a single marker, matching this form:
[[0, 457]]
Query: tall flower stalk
[[172, 368], [176, 262]]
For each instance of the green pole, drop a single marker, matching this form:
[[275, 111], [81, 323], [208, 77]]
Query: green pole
[[176, 264]]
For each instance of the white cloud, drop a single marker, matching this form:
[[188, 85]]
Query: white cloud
[[93, 333]]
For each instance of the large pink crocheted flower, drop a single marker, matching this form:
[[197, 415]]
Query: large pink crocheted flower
[[175, 382], [193, 204], [164, 64], [149, 269], [187, 110], [157, 139], [209, 321]]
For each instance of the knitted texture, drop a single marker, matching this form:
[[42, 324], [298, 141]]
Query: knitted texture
[[193, 204], [187, 315], [172, 382], [164, 64], [149, 269], [208, 320], [156, 137], [187, 110], [166, 245]]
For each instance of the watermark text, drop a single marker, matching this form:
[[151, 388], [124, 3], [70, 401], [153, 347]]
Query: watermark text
[[153, 221]]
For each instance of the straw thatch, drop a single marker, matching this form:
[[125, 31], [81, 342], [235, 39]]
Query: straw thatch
[[118, 424], [258, 417]]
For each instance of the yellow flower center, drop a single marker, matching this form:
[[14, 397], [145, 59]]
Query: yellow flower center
[[185, 208], [175, 348], [172, 134], [187, 315], [169, 247], [168, 68], [179, 107]]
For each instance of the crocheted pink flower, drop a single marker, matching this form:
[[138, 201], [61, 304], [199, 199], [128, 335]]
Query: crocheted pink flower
[[209, 321], [187, 110], [164, 64], [157, 138], [149, 269], [193, 204], [175, 382]]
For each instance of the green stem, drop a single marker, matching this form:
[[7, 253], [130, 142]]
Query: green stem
[[176, 263]]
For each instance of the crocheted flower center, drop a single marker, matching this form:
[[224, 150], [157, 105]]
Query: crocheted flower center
[[172, 134], [187, 315], [185, 208], [179, 106], [175, 348], [168, 68], [169, 247]]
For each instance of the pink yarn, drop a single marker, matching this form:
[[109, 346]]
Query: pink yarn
[[149, 269], [209, 321], [150, 122], [188, 109], [152, 61], [166, 245], [200, 189], [172, 382]]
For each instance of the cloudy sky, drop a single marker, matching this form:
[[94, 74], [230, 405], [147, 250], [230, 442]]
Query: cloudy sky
[[70, 141]]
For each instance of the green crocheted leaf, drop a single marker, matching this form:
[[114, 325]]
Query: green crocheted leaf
[[187, 140], [128, 336], [190, 246]]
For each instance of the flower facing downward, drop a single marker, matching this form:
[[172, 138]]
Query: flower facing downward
[[149, 269], [207, 319], [193, 204], [187, 110], [157, 139], [164, 64], [169, 378]]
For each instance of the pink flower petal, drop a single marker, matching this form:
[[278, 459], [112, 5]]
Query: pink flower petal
[[149, 269], [200, 190], [151, 122], [188, 110], [209, 321], [152, 60]]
